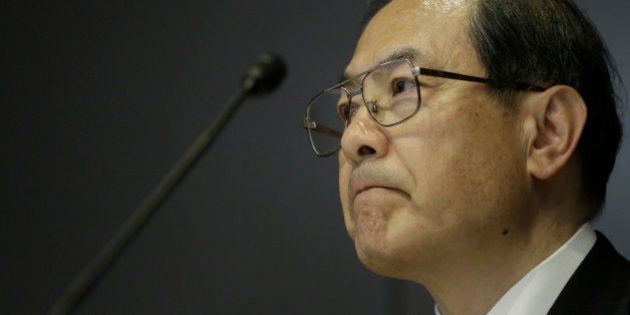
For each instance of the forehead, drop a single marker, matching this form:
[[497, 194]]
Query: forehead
[[438, 31]]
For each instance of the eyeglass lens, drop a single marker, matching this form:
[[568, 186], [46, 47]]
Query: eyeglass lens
[[390, 94]]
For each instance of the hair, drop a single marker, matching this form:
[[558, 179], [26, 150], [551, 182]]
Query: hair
[[550, 42]]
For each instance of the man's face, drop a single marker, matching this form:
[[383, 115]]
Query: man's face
[[447, 184]]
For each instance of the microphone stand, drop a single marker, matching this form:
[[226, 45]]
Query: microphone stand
[[85, 280]]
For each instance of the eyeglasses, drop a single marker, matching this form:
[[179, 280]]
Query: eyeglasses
[[391, 95]]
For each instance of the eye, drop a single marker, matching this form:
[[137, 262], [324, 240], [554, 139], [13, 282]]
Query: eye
[[346, 111], [402, 84]]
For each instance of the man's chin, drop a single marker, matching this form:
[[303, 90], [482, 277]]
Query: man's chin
[[378, 258], [381, 267]]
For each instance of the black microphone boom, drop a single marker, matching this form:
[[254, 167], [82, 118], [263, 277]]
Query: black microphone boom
[[263, 77]]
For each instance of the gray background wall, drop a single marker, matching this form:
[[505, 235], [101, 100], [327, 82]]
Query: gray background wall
[[99, 98]]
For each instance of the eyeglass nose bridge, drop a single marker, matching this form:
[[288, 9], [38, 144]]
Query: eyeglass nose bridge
[[353, 93], [349, 96]]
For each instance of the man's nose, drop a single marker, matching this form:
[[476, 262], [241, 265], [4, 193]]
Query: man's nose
[[363, 137]]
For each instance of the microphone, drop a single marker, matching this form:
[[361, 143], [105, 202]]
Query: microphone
[[265, 75], [262, 77]]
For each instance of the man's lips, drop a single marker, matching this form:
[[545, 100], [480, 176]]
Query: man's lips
[[369, 177], [366, 188], [371, 187]]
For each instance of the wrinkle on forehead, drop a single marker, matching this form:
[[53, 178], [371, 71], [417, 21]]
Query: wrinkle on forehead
[[451, 8], [443, 6]]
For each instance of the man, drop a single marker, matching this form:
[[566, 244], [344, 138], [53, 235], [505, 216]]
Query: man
[[477, 138]]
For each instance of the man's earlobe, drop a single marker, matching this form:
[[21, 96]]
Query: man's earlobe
[[560, 116]]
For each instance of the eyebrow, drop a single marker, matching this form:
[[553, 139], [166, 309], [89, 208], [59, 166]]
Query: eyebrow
[[408, 53]]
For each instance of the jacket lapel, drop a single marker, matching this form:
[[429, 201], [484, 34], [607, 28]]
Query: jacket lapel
[[600, 285]]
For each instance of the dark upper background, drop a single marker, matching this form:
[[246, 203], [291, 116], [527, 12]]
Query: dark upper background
[[99, 98]]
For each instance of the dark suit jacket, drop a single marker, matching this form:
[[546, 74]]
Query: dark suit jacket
[[600, 285]]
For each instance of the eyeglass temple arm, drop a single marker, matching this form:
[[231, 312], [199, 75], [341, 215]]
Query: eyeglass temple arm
[[457, 76], [313, 125]]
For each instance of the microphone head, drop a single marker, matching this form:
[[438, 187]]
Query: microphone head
[[265, 75]]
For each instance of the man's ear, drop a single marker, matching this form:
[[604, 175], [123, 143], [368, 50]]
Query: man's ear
[[560, 115]]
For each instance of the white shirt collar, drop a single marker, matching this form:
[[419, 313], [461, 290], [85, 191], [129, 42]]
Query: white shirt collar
[[537, 291]]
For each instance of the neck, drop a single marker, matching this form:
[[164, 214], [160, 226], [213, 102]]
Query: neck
[[475, 284]]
